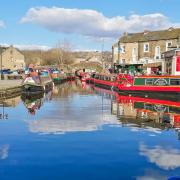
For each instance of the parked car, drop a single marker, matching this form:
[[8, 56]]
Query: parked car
[[6, 71]]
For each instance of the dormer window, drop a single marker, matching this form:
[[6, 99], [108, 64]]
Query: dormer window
[[146, 47]]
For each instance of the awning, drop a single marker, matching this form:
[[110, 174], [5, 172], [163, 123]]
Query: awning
[[150, 65]]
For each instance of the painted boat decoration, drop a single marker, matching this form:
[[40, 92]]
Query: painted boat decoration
[[168, 85], [37, 81]]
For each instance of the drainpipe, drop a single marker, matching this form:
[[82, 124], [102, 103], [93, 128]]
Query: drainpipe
[[119, 51]]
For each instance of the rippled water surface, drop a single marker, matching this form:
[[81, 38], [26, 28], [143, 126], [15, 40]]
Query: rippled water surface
[[80, 132]]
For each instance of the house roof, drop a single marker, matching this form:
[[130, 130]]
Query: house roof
[[2, 49], [146, 36]]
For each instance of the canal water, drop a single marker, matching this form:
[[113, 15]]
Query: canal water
[[86, 133]]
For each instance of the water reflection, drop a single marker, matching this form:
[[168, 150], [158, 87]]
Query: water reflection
[[152, 175], [82, 132], [164, 157], [8, 103], [137, 113], [149, 114], [76, 114], [34, 102], [4, 151]]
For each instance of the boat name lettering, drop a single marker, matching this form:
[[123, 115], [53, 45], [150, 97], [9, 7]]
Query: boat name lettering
[[160, 82]]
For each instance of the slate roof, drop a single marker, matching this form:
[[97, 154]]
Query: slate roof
[[151, 36]]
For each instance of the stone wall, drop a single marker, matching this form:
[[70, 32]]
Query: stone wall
[[12, 59], [134, 52]]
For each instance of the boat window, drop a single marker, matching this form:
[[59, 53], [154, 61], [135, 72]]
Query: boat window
[[149, 81], [107, 78], [112, 78], [96, 77], [174, 81]]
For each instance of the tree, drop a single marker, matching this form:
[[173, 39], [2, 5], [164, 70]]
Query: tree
[[64, 52]]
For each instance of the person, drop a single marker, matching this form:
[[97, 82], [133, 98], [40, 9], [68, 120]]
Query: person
[[62, 72]]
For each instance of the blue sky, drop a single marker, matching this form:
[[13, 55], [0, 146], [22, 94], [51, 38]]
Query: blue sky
[[84, 23]]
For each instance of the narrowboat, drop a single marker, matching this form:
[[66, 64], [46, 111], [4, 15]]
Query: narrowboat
[[107, 81], [123, 83], [37, 82], [58, 78]]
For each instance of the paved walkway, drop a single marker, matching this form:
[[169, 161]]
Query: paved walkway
[[4, 84]]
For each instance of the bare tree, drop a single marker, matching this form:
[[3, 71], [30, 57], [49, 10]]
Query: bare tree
[[64, 52]]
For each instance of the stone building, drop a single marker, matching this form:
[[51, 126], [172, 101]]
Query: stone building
[[171, 63], [11, 58], [145, 47]]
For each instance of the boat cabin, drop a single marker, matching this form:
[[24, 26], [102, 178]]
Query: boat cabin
[[106, 77], [157, 81]]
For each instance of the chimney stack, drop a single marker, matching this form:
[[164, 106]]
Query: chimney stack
[[125, 33]]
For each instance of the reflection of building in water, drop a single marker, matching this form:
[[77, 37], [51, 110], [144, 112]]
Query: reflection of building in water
[[125, 109], [12, 102], [134, 110]]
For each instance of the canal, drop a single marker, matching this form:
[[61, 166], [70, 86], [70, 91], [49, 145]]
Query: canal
[[82, 132]]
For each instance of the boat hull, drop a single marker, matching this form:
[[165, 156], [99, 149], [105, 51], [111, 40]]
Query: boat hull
[[31, 85]]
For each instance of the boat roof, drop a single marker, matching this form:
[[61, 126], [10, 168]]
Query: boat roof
[[155, 76]]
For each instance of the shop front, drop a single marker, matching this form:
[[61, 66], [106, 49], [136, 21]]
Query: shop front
[[172, 62]]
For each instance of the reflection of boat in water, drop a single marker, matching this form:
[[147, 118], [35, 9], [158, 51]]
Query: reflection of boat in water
[[150, 112], [145, 111], [34, 102]]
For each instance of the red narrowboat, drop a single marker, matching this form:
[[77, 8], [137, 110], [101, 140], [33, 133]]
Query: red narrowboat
[[163, 85]]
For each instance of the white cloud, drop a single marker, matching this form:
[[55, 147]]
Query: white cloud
[[29, 46], [93, 23], [2, 24], [32, 47], [162, 157]]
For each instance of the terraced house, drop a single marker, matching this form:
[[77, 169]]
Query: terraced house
[[145, 47], [11, 58]]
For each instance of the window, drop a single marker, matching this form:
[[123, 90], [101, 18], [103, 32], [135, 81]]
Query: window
[[134, 54], [146, 47], [122, 49], [157, 52], [168, 45], [123, 61], [134, 51], [175, 82]]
